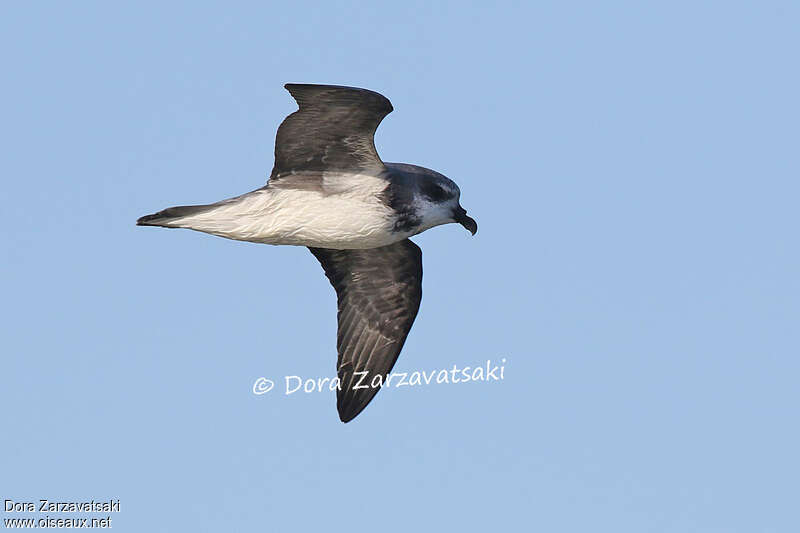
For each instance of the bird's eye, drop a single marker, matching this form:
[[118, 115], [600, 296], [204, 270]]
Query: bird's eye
[[436, 193]]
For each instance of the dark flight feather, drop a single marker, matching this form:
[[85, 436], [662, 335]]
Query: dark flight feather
[[333, 130], [378, 291]]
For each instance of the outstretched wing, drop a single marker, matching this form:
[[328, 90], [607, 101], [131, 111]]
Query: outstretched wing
[[333, 130], [378, 292]]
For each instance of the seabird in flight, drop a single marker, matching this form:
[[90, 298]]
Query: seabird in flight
[[330, 191]]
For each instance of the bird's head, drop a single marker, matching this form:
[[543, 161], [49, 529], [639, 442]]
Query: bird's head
[[435, 198], [438, 203]]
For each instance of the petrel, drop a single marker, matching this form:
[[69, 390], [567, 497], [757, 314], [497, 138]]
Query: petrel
[[330, 191]]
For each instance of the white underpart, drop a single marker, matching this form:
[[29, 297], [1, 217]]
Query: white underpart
[[346, 214]]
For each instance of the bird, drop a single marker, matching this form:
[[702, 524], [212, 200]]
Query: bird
[[330, 191]]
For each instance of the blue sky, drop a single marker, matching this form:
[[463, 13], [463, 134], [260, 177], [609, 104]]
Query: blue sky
[[633, 169]]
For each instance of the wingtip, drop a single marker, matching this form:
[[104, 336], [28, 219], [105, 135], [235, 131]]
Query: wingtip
[[292, 86], [350, 407], [297, 90], [347, 413]]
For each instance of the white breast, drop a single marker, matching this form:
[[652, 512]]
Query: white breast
[[346, 213]]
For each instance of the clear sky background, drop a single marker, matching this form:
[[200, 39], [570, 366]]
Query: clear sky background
[[634, 172]]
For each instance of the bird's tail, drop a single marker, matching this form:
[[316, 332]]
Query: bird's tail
[[171, 216]]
